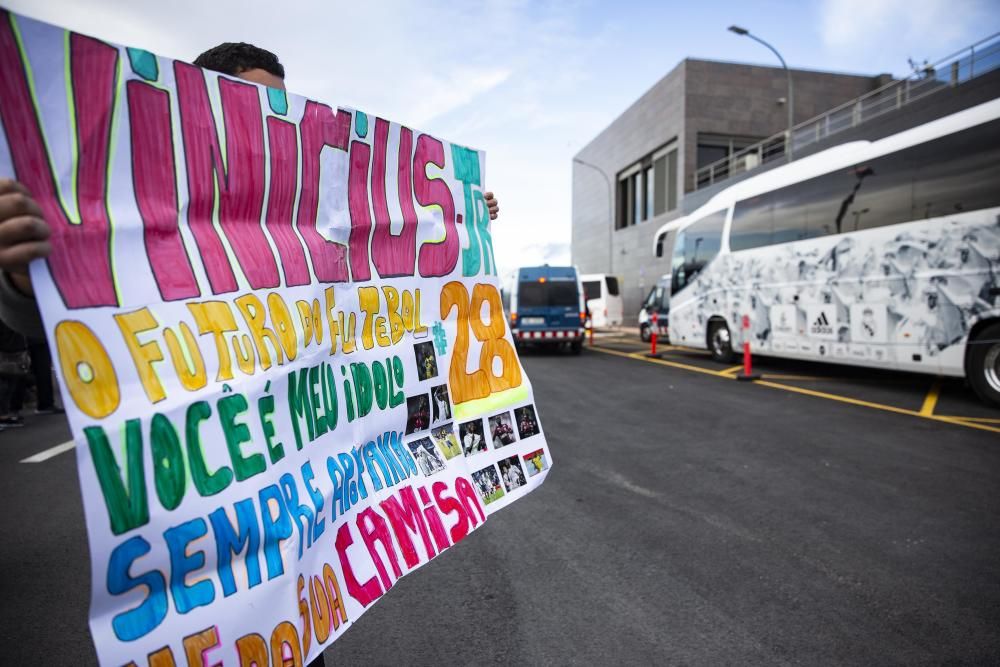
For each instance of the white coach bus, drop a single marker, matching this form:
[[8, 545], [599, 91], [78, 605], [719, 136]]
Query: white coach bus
[[875, 253]]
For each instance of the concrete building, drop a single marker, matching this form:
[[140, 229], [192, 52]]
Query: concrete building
[[641, 169]]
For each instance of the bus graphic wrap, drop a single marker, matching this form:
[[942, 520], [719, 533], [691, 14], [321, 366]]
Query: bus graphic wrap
[[882, 254], [876, 296]]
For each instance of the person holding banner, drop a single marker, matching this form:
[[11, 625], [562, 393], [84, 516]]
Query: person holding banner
[[25, 237], [24, 234]]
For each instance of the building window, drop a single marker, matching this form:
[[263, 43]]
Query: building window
[[660, 188], [629, 197], [671, 178], [638, 214], [649, 184], [647, 188], [715, 147]]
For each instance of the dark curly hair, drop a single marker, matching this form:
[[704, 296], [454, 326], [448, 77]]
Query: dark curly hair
[[235, 57]]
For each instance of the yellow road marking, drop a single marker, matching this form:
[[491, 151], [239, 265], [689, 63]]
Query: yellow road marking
[[969, 422], [964, 422], [837, 397], [768, 376], [662, 362], [876, 406], [985, 420], [733, 371], [931, 399]]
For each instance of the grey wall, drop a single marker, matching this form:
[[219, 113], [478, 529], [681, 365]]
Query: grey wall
[[734, 99], [652, 121], [696, 96]]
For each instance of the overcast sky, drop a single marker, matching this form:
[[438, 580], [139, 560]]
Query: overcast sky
[[529, 82]]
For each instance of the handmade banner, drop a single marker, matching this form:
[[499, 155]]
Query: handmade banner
[[281, 344]]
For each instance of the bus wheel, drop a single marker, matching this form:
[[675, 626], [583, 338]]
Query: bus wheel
[[576, 346], [984, 364], [644, 333], [720, 343]]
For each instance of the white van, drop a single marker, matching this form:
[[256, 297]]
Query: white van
[[604, 299]]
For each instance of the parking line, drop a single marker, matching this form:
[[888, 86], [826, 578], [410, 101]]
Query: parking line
[[958, 421], [931, 399], [662, 362], [985, 420], [837, 397], [877, 406], [964, 422], [50, 452], [733, 371]]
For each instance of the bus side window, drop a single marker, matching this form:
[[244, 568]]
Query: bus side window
[[808, 210], [957, 173], [752, 223]]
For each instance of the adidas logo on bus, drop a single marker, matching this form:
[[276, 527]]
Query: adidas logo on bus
[[822, 326]]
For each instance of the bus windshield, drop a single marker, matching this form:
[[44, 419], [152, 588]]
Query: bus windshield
[[695, 247]]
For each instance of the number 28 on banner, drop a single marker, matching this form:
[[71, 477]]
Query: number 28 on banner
[[482, 382]]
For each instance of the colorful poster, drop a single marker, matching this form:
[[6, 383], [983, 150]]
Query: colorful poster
[[281, 343]]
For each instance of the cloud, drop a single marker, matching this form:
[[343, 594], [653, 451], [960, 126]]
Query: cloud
[[859, 29], [532, 254]]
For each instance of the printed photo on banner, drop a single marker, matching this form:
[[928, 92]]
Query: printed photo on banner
[[502, 430], [527, 423], [511, 473], [426, 360], [445, 439], [471, 435], [418, 414], [488, 484], [535, 462], [428, 459], [441, 403]]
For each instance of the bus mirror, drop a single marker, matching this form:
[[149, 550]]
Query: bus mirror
[[659, 245]]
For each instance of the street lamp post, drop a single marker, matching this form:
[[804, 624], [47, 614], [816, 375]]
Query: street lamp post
[[611, 217], [788, 73]]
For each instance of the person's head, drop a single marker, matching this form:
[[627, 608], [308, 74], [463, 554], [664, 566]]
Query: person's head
[[245, 61]]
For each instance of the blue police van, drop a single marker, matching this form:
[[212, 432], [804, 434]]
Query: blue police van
[[546, 306]]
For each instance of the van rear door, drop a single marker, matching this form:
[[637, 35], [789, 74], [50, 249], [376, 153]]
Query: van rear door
[[613, 301], [548, 303]]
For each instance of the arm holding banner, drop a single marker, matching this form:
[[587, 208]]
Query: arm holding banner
[[23, 237]]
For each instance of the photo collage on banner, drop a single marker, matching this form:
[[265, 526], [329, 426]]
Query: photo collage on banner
[[505, 474]]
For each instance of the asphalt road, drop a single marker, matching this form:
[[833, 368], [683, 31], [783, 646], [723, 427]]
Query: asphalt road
[[687, 520]]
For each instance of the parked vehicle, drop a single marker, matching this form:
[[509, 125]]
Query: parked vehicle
[[882, 254], [604, 299], [658, 301], [546, 306]]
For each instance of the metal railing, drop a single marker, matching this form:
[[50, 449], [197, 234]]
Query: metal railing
[[969, 63]]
